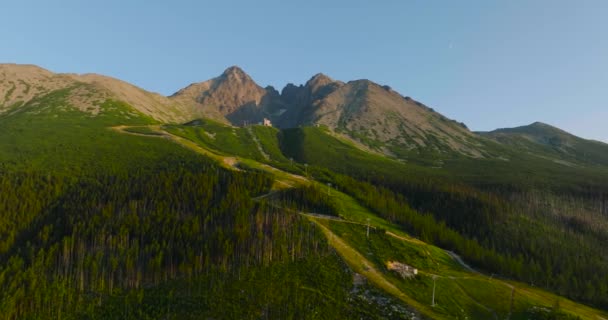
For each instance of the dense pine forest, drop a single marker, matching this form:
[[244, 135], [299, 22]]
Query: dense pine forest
[[90, 247]]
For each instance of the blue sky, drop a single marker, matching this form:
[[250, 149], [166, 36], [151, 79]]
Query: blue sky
[[487, 63]]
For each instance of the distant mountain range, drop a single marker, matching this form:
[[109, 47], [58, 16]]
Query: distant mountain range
[[363, 110], [373, 115]]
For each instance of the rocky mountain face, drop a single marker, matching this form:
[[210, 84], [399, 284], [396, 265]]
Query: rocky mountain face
[[380, 117], [232, 97], [362, 110], [301, 99]]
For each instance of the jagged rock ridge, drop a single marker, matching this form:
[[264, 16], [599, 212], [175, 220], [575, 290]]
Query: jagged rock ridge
[[361, 110]]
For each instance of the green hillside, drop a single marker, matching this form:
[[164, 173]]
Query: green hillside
[[48, 134], [115, 215], [523, 214], [508, 261], [548, 142], [506, 167], [467, 200], [100, 224]]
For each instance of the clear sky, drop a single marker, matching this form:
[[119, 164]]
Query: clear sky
[[487, 63]]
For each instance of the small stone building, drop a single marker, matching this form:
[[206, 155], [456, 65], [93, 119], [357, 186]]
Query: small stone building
[[402, 269]]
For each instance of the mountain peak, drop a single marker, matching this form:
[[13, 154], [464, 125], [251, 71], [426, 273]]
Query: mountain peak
[[539, 124], [321, 76], [321, 85], [235, 72], [232, 97], [318, 80], [26, 70], [544, 127]]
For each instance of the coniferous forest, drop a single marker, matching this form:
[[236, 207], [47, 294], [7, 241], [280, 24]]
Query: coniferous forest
[[497, 235], [69, 244], [119, 216]]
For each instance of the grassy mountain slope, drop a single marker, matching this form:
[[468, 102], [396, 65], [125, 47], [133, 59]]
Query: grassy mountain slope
[[306, 283], [486, 217], [47, 133], [506, 166], [21, 84], [94, 223], [543, 140], [463, 292]]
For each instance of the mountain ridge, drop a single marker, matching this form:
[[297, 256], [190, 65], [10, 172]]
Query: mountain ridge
[[20, 84], [366, 112], [363, 110], [545, 140]]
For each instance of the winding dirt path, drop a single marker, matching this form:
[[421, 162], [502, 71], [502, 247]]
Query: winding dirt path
[[364, 267], [226, 162]]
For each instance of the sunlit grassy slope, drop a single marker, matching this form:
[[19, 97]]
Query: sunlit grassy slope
[[503, 165], [459, 293], [56, 138], [49, 137], [228, 140], [47, 134]]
